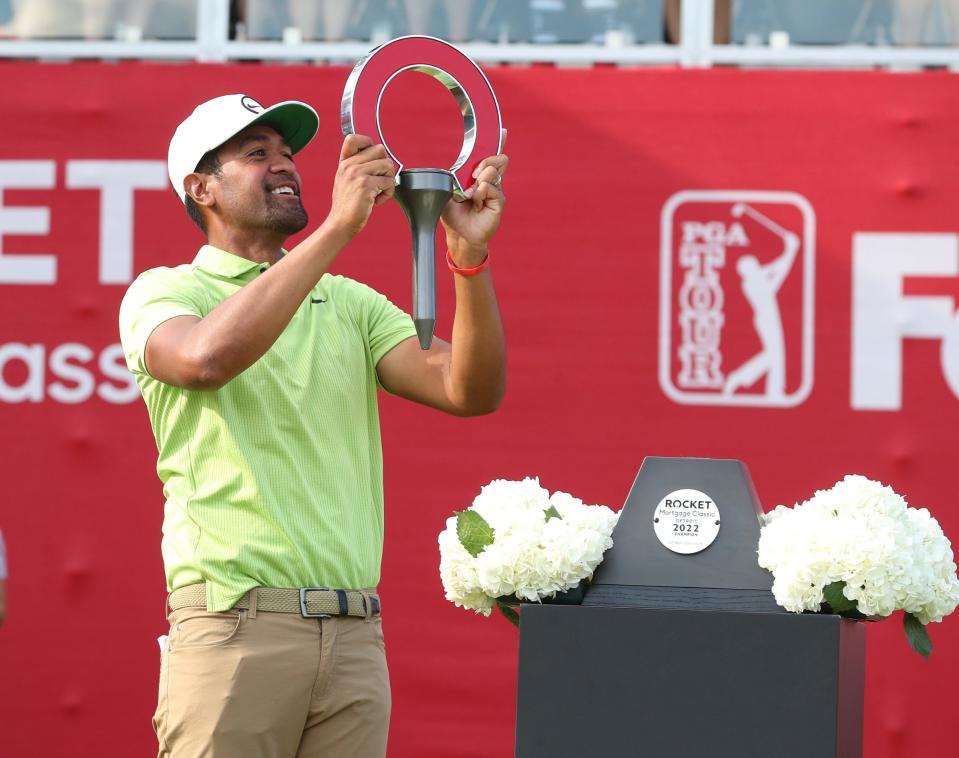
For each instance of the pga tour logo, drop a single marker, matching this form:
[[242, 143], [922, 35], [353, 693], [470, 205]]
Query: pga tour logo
[[736, 298]]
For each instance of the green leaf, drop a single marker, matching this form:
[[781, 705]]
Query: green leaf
[[512, 615], [917, 635], [474, 533], [838, 602], [551, 512]]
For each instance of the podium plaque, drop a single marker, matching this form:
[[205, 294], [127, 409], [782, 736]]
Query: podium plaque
[[641, 570]]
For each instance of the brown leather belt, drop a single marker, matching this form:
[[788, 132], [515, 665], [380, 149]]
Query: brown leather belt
[[309, 602]]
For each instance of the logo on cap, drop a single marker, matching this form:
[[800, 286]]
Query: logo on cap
[[250, 104]]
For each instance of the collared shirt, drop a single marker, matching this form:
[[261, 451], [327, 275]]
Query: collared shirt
[[276, 478]]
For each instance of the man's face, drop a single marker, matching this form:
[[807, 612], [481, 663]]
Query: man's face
[[259, 187]]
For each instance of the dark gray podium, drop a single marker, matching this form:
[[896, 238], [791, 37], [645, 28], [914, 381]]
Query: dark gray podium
[[683, 654]]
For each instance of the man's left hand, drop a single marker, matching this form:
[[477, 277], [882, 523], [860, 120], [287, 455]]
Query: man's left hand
[[470, 222]]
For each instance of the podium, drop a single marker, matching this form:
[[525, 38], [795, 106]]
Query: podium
[[678, 650]]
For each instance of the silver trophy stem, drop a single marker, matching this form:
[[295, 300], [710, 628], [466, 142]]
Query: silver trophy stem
[[422, 194]]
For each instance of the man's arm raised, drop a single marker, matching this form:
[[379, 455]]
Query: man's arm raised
[[205, 353], [467, 377]]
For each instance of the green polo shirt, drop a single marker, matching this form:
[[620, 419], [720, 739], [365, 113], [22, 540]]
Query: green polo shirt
[[276, 479]]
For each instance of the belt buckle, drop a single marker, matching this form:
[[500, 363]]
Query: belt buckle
[[303, 611]]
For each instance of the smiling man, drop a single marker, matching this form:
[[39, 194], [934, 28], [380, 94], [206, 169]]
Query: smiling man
[[260, 370]]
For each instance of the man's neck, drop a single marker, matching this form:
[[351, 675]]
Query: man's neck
[[261, 247]]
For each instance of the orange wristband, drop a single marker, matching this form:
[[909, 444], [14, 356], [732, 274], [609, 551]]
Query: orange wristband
[[466, 271]]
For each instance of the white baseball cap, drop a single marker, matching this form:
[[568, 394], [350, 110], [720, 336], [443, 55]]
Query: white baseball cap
[[219, 119]]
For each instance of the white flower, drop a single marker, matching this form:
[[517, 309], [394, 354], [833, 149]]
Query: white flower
[[889, 555], [531, 557]]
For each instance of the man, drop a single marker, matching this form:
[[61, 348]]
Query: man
[[259, 370]]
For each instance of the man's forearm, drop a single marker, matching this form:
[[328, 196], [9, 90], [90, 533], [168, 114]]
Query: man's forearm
[[237, 333], [477, 379]]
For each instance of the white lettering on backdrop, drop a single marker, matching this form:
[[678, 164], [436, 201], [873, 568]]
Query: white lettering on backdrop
[[26, 269], [29, 375], [33, 373], [882, 316], [117, 181]]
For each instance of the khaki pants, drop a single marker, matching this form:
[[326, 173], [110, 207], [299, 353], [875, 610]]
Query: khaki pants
[[272, 685]]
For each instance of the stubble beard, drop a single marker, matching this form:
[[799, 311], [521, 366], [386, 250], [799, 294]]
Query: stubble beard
[[283, 219]]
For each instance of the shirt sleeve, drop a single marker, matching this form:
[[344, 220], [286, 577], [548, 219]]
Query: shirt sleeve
[[388, 326], [154, 297], [384, 324]]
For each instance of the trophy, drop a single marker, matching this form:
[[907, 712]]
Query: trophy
[[423, 192]]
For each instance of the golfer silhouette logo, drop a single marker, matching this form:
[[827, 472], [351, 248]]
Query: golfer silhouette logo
[[736, 298], [760, 286]]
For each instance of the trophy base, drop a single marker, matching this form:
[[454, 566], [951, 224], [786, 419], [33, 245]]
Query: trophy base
[[422, 194]]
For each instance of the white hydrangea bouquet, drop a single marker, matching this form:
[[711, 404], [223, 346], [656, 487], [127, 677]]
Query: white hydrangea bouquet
[[516, 542], [859, 550]]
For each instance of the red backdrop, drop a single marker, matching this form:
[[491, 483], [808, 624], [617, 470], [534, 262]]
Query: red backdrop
[[588, 265]]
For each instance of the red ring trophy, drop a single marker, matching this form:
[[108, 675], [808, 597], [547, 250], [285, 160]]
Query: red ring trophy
[[423, 192]]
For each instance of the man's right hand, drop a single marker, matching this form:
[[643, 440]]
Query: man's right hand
[[364, 178]]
